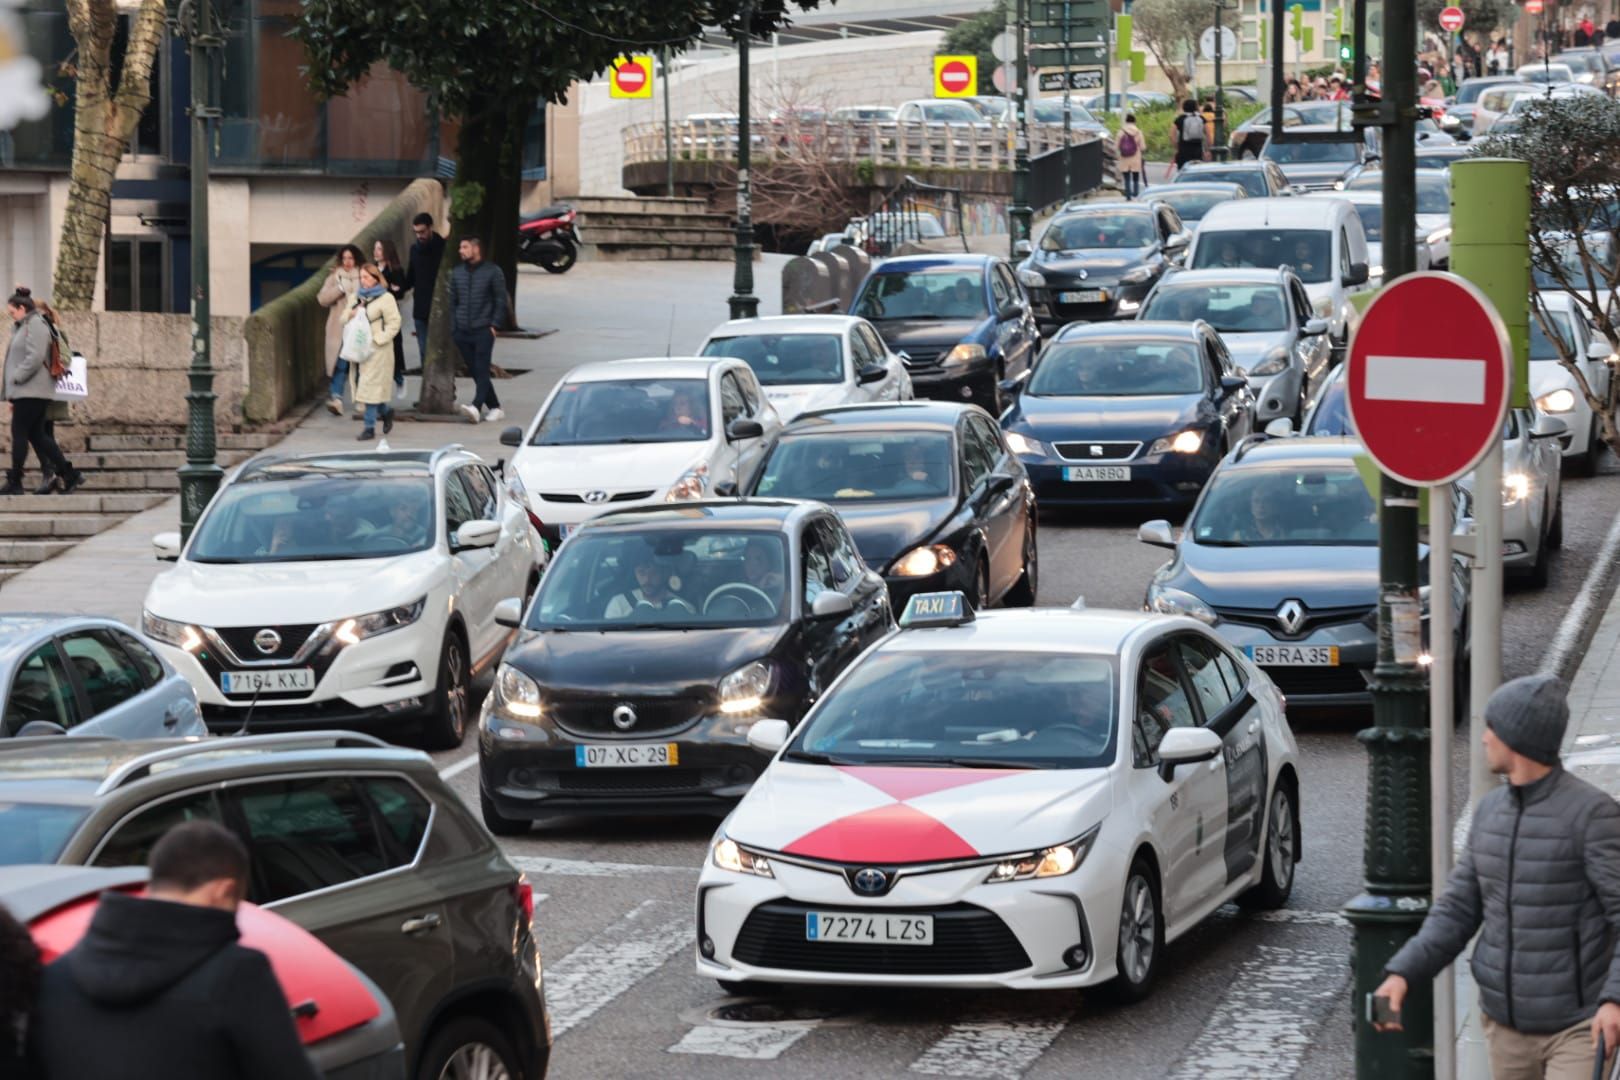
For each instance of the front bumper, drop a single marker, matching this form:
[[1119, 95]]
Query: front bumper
[[1276, 395], [1344, 684], [1123, 302], [1162, 480], [974, 381]]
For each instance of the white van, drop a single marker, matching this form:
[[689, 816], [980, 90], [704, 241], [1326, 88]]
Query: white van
[[1320, 239]]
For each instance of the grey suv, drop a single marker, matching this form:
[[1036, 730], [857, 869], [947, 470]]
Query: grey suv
[[358, 842]]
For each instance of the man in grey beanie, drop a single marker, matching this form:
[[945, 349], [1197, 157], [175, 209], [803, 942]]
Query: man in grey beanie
[[1541, 875]]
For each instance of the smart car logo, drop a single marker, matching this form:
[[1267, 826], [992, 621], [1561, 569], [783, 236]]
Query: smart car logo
[[1290, 616], [267, 641], [624, 717], [595, 496], [871, 881]]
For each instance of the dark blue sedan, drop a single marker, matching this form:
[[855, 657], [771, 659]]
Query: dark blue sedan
[[1132, 413]]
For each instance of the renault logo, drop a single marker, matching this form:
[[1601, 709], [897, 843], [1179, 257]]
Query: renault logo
[[624, 717], [1290, 616], [267, 641], [595, 496], [871, 881]]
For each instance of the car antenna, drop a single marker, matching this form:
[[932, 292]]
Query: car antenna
[[669, 338], [248, 719]]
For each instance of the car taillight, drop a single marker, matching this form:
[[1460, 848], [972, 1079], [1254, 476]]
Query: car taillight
[[523, 893]]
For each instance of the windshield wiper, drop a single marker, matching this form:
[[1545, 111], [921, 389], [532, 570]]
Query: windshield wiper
[[811, 757], [1220, 543], [960, 763], [222, 560]]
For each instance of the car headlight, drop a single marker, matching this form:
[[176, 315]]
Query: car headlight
[[1031, 278], [1168, 601], [739, 860], [1185, 442], [1137, 276], [516, 694], [1023, 444], [357, 629], [1515, 488], [744, 690], [922, 561], [693, 484], [963, 355], [1560, 400], [180, 635], [1338, 185], [1054, 861], [1437, 236], [1272, 364]]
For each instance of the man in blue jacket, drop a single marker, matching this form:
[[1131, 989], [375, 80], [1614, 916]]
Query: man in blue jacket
[[478, 308]]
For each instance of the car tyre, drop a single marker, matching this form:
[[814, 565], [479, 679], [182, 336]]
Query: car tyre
[[469, 1046], [1540, 573], [1140, 944], [1585, 463], [446, 722], [981, 587], [1022, 594], [1555, 533], [495, 821], [1276, 855]]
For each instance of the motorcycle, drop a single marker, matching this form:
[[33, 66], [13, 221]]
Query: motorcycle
[[548, 238]]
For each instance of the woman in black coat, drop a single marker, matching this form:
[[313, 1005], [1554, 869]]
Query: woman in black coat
[[386, 256]]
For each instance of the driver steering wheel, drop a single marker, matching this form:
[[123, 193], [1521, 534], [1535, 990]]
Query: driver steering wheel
[[740, 591]]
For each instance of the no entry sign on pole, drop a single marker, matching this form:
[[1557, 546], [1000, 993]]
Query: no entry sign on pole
[[1428, 377], [1451, 19], [956, 76], [631, 77]]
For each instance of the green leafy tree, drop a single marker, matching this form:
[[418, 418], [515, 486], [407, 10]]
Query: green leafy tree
[[1169, 30], [489, 63], [975, 36]]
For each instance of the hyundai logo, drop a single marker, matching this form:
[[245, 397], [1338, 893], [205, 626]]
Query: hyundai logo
[[595, 496], [1290, 616], [267, 641], [624, 717], [871, 881]]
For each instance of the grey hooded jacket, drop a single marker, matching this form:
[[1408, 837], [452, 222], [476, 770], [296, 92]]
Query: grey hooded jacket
[[1542, 873], [26, 374]]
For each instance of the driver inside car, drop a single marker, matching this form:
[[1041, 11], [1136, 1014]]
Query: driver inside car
[[405, 522], [761, 569], [652, 591]]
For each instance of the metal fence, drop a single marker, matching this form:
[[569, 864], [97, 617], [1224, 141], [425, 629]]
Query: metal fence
[[1088, 165]]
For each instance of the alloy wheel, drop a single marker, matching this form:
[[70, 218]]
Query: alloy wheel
[[1280, 843], [1138, 924], [475, 1061], [455, 668]]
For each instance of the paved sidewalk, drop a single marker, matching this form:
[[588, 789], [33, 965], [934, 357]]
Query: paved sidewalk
[[602, 311]]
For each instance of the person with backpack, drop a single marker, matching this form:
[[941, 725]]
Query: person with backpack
[[1129, 146], [34, 361], [1189, 134]]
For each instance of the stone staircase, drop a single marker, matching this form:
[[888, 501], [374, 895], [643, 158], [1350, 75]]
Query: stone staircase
[[124, 474], [631, 228]]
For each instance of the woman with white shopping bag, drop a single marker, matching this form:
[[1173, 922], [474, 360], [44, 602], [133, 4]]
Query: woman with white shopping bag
[[368, 343], [28, 385]]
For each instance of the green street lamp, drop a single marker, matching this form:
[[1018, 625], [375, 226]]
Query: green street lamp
[[744, 304]]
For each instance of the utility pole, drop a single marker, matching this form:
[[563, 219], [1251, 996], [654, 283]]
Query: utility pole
[[1068, 34], [1218, 151], [1019, 212], [669, 135], [744, 304], [1396, 889], [200, 476]]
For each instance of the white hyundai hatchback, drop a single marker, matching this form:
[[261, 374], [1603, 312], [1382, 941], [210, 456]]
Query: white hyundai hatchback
[[809, 362], [345, 590], [1023, 799], [622, 433]]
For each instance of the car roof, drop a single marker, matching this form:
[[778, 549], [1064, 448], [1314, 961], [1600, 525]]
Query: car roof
[[1221, 275], [702, 515], [272, 466], [919, 415], [1131, 329], [1556, 299], [1193, 168], [787, 324], [1297, 451], [1141, 205], [1154, 191], [965, 260], [647, 367], [1283, 212], [1045, 630], [1359, 197], [17, 627]]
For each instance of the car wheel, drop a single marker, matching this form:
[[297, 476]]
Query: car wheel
[[1022, 593], [1277, 875], [496, 822], [1585, 464], [1541, 570], [1141, 935], [1555, 533], [467, 1048], [981, 587], [446, 723]]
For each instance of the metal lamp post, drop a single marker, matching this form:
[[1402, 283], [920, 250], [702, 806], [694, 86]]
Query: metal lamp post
[[744, 304], [1218, 151], [1020, 214]]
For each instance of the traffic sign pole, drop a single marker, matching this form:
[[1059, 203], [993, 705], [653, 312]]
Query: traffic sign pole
[[1442, 679], [1019, 212]]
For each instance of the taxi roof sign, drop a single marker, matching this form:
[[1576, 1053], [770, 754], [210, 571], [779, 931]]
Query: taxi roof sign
[[936, 609]]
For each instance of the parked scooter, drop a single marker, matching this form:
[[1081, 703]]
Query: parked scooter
[[548, 238]]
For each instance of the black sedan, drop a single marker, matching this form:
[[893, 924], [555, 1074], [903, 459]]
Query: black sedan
[[1099, 260], [657, 637], [930, 492], [1129, 414]]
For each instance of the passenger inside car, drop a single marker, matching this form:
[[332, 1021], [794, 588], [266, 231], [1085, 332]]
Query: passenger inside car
[[653, 592]]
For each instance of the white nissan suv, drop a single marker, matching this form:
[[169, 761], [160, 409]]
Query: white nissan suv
[[345, 590]]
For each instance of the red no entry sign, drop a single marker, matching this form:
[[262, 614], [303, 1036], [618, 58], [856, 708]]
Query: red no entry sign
[[954, 76], [1451, 19], [632, 77], [1532, 7], [1428, 377]]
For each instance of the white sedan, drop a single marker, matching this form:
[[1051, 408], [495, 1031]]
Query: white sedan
[[810, 362], [1022, 799], [1553, 385]]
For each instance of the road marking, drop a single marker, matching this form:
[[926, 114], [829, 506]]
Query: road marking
[[1001, 1047], [459, 767], [1431, 380], [1265, 1021], [543, 864], [752, 1041], [591, 976], [1573, 627]]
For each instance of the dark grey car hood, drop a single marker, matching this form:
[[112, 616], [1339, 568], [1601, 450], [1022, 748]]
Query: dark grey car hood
[[1262, 577]]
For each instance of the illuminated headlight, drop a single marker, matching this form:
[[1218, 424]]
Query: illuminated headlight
[[922, 561], [1049, 862], [739, 860], [963, 355], [1186, 442], [1437, 236], [1560, 400], [1167, 601], [1031, 279], [1515, 488], [1272, 364], [1023, 444], [744, 690], [1137, 276], [693, 484], [180, 635], [1127, 306], [516, 694], [1375, 271], [352, 631], [1338, 185]]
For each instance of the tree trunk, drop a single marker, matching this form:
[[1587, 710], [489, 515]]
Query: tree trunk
[[506, 197], [102, 125]]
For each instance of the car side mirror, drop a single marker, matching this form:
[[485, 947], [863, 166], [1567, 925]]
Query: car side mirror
[[1022, 248], [1598, 350], [1186, 746], [744, 428], [509, 612], [831, 604], [1231, 384], [1014, 386], [1280, 428], [872, 373], [1356, 275], [1314, 328], [768, 736], [1157, 533], [726, 489], [475, 534], [166, 546], [1175, 244], [512, 436], [1548, 427], [998, 484]]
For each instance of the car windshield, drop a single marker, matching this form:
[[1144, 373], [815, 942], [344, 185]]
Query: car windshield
[[979, 709], [32, 833], [1470, 90], [318, 516], [944, 292], [1306, 251], [1543, 347], [1192, 204], [858, 467], [1372, 220], [1050, 111], [1439, 159], [663, 579], [626, 411], [1309, 153], [1433, 194], [1546, 73], [786, 359], [1099, 229], [1117, 368], [1332, 413], [1322, 504], [950, 112], [1239, 309], [1252, 181], [1572, 266], [892, 228]]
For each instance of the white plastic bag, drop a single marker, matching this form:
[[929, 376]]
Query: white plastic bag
[[74, 385], [356, 337]]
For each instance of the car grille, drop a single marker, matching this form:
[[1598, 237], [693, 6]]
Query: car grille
[[1302, 681], [968, 940], [1082, 312], [924, 359], [1315, 618], [240, 641], [575, 497], [638, 781], [592, 714], [1111, 451]]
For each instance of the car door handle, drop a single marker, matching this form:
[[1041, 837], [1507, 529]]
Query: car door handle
[[421, 924]]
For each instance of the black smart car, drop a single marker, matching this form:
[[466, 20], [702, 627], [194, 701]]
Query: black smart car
[[930, 491], [658, 637]]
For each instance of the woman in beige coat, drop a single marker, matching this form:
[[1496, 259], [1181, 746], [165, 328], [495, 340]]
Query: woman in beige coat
[[1130, 165], [375, 383], [338, 294]]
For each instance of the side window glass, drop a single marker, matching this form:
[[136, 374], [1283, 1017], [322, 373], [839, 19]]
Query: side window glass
[[874, 344], [860, 351], [480, 492], [40, 690], [1161, 704], [731, 399], [1009, 283], [974, 465], [989, 441], [109, 678], [308, 834], [1231, 674], [131, 842], [817, 558], [1344, 251], [403, 812], [1212, 361], [843, 560], [1208, 684], [998, 291], [751, 392], [150, 667], [458, 502]]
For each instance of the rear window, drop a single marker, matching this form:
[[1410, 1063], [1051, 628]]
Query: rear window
[[36, 832], [1307, 251]]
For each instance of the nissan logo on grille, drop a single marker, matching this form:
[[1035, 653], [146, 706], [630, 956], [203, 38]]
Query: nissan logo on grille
[[595, 496], [624, 717], [267, 641], [871, 881]]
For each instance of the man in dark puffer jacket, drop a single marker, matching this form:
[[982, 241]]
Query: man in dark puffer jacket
[[1541, 873]]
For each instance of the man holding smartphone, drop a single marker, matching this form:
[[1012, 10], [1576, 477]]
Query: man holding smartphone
[[1541, 876]]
